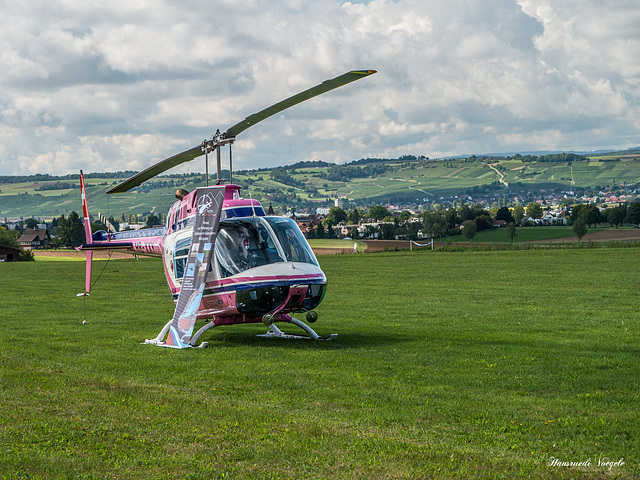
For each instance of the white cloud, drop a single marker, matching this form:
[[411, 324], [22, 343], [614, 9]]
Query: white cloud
[[120, 85]]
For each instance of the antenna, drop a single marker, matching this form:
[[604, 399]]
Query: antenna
[[219, 181], [230, 165], [206, 166], [251, 200]]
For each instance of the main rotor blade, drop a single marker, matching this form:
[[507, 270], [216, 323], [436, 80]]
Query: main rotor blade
[[300, 97], [232, 132], [157, 169]]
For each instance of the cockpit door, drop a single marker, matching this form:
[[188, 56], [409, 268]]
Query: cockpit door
[[176, 252]]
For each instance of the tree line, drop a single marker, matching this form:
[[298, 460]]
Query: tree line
[[467, 219]]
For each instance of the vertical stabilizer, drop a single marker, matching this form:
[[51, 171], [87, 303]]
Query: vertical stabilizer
[[85, 210], [87, 232]]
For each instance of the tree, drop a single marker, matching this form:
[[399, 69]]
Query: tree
[[518, 213], [153, 220], [511, 231], [329, 231], [469, 229], [580, 228], [378, 212], [466, 213], [354, 216], [311, 231], [592, 215], [70, 231], [534, 210], [633, 213], [31, 223], [335, 216], [404, 216], [370, 232], [27, 256], [436, 224], [589, 213], [387, 231], [483, 222], [576, 211], [8, 238], [505, 214], [615, 216]]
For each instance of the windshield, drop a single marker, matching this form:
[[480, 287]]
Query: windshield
[[244, 244], [247, 243], [291, 240]]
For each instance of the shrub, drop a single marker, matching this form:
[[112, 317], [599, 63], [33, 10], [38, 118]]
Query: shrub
[[26, 256]]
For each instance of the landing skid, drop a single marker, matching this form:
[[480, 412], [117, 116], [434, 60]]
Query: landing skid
[[277, 333], [274, 332]]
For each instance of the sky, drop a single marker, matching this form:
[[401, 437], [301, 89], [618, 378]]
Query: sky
[[120, 85]]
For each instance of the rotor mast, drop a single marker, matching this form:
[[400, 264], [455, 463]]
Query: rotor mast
[[214, 143]]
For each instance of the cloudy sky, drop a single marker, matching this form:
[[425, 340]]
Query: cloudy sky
[[115, 85]]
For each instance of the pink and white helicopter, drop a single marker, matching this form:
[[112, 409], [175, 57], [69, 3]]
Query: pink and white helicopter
[[225, 260]]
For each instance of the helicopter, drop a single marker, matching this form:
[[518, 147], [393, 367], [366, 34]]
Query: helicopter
[[225, 260]]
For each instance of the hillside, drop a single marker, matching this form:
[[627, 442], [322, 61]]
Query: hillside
[[407, 181]]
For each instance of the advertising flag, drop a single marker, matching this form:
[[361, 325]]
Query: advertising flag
[[208, 209]]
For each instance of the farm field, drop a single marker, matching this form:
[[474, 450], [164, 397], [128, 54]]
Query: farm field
[[528, 234], [447, 365], [323, 246], [543, 234], [525, 235]]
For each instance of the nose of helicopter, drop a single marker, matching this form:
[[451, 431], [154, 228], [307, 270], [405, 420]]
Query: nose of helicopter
[[284, 299]]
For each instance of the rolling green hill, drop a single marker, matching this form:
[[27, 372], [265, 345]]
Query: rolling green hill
[[408, 180]]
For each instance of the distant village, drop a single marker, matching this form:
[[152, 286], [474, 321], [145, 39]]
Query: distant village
[[555, 208], [440, 216]]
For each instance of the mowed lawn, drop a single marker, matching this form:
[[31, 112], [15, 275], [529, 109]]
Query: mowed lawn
[[447, 365]]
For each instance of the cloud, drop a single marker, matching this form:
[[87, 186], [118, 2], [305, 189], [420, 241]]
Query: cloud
[[120, 85]]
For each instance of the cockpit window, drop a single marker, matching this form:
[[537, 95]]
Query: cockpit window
[[291, 240], [171, 218], [180, 256], [244, 244]]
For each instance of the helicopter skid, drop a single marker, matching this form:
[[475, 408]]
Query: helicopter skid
[[275, 332]]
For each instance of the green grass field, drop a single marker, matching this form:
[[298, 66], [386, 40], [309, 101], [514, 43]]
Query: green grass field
[[527, 234], [447, 365], [337, 244]]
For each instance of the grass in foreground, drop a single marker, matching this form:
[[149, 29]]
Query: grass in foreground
[[447, 365]]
